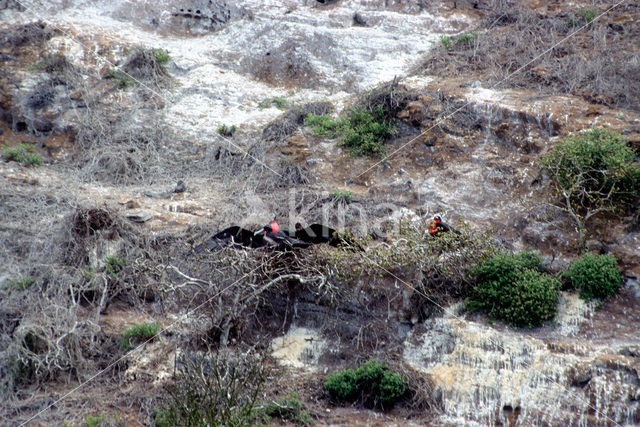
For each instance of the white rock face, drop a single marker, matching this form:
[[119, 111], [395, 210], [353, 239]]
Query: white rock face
[[216, 68], [489, 375]]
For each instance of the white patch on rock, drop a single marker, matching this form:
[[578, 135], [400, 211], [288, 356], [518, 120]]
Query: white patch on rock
[[300, 348]]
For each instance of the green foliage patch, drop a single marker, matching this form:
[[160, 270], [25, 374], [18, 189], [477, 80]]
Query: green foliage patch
[[342, 196], [594, 165], [227, 131], [363, 132], [371, 384], [288, 409], [114, 265], [20, 284], [121, 78], [139, 332], [595, 276], [22, 153], [162, 56], [513, 288], [277, 101]]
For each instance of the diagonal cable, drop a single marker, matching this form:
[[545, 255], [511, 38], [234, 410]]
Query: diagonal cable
[[67, 33], [448, 116]]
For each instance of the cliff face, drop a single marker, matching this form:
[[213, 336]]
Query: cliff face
[[123, 99]]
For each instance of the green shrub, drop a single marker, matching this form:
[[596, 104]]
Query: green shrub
[[325, 125], [288, 409], [342, 196], [362, 132], [593, 172], [278, 102], [445, 41], [595, 276], [121, 79], [513, 288], [142, 331], [372, 384], [228, 131], [22, 153], [161, 55], [367, 132]]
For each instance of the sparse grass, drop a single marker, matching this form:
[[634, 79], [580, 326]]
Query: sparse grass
[[277, 101], [94, 420], [139, 332], [342, 196], [121, 79], [288, 409], [227, 131], [582, 16], [24, 154], [114, 265], [20, 284]]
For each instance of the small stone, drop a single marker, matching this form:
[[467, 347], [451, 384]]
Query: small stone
[[401, 171], [140, 216], [385, 165], [180, 187], [312, 162]]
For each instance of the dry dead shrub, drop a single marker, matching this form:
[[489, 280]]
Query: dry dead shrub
[[119, 148], [288, 123], [390, 97], [49, 324], [598, 63], [144, 65], [26, 34]]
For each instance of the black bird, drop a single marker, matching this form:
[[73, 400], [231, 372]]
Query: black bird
[[234, 236], [438, 226], [279, 240]]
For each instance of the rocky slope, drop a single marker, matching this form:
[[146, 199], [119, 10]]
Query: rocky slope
[[467, 147]]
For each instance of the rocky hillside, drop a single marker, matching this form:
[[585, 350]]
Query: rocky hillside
[[132, 131]]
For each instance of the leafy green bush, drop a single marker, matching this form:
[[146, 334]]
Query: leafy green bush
[[22, 153], [142, 331], [372, 384], [593, 172], [593, 165], [513, 288], [161, 55], [445, 41], [325, 126], [362, 132], [595, 276], [288, 409], [228, 131]]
